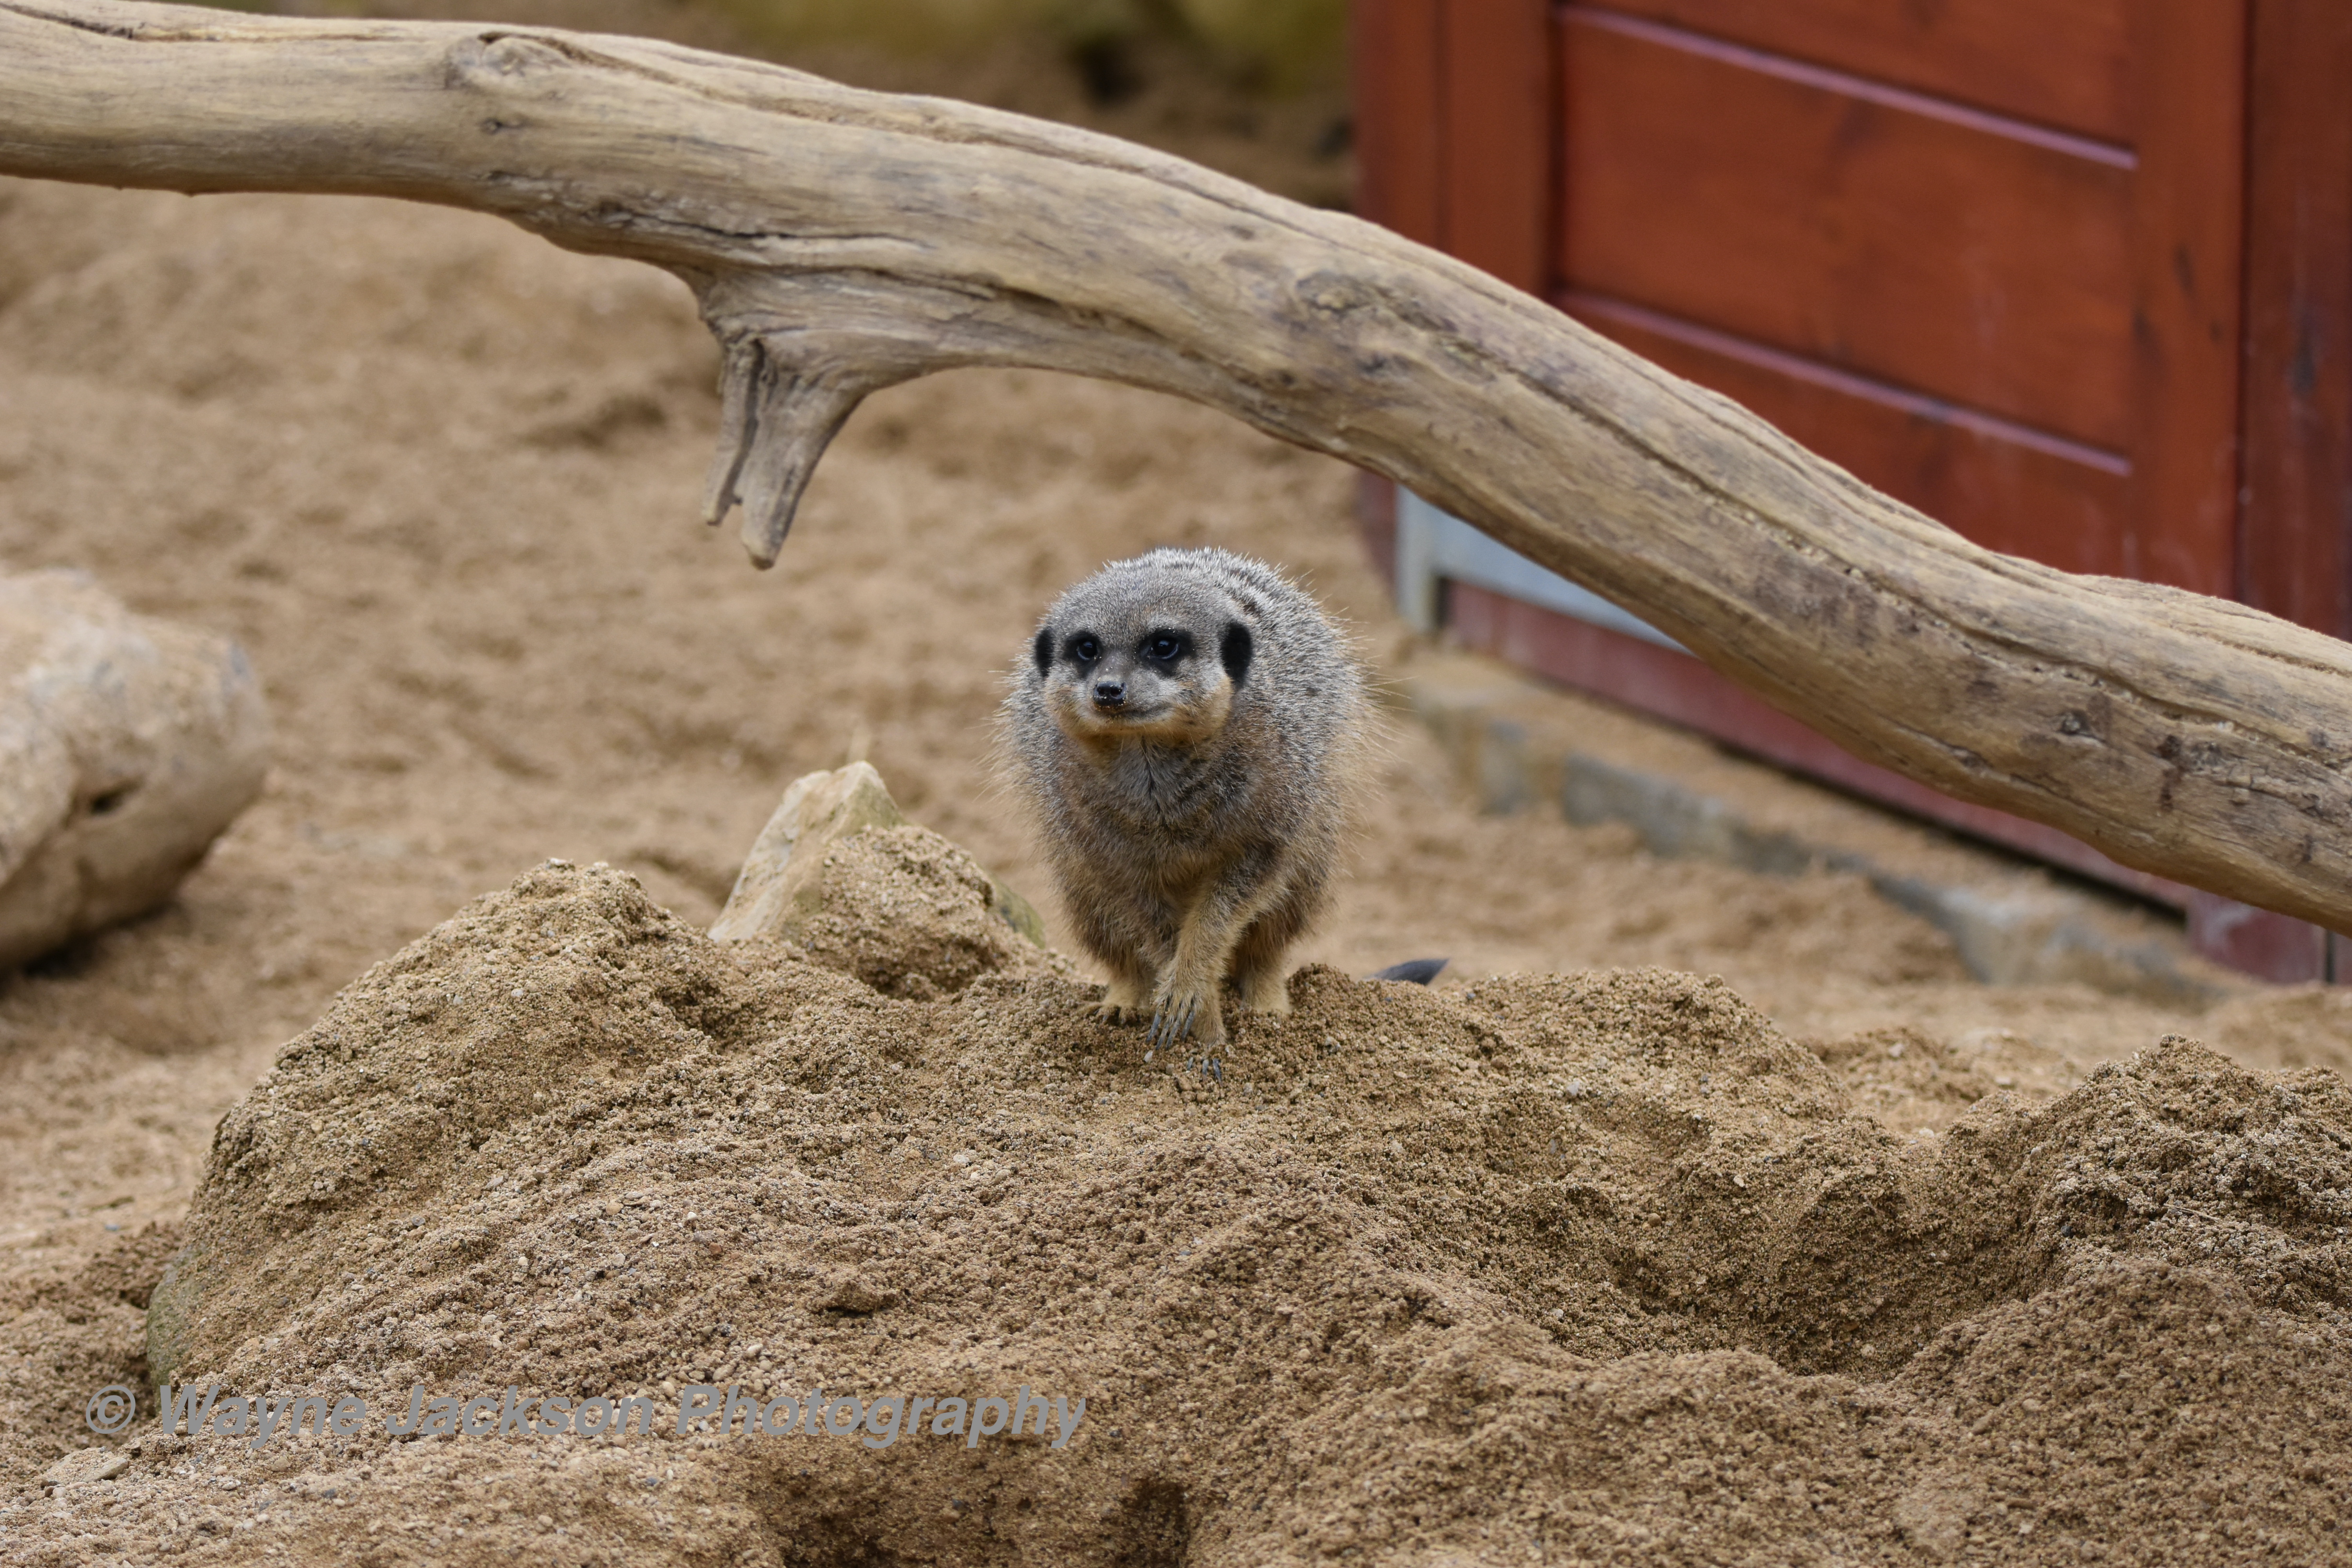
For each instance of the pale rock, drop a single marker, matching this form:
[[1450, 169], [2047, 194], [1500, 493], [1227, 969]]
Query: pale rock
[[86, 1465], [127, 745], [842, 875]]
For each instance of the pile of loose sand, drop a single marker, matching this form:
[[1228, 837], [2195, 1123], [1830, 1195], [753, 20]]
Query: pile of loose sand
[[1553, 1270]]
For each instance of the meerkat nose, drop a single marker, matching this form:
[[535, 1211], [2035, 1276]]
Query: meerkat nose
[[1111, 694]]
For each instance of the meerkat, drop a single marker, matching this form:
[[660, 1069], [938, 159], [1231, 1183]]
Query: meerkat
[[1186, 726]]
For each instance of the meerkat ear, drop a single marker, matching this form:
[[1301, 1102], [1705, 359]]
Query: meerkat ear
[[1234, 649], [1043, 651]]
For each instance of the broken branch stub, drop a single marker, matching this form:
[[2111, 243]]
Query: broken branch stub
[[840, 241], [776, 418]]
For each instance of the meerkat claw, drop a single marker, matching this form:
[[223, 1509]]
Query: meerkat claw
[[1173, 1022]]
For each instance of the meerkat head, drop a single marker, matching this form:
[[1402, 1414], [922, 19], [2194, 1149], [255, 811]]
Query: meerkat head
[[1142, 653]]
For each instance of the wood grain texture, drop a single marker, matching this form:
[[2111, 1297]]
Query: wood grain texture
[[2188, 99], [2297, 530], [2005, 487], [1498, 138], [839, 241], [2063, 63], [1938, 254], [1395, 62]]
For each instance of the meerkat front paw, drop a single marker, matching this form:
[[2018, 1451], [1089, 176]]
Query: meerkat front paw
[[1122, 1002], [1182, 1013]]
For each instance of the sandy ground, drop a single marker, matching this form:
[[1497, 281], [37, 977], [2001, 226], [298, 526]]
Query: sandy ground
[[437, 478]]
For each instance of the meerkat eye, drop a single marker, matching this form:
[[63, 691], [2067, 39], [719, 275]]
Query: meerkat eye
[[1085, 650], [1163, 646]]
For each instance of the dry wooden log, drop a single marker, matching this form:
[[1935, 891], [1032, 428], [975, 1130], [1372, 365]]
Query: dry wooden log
[[841, 241]]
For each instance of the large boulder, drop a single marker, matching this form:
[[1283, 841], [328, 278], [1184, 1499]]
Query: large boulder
[[127, 745]]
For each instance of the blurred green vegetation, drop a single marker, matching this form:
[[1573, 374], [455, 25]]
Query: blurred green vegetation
[[1294, 44], [1281, 46]]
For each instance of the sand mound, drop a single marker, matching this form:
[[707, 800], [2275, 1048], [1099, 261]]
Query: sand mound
[[1592, 1268]]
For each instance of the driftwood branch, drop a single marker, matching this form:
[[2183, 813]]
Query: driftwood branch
[[842, 241]]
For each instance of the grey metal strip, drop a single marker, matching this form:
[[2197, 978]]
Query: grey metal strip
[[1433, 546]]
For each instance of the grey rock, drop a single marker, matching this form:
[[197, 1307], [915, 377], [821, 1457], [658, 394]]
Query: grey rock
[[127, 745]]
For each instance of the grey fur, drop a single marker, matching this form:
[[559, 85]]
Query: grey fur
[[1193, 826]]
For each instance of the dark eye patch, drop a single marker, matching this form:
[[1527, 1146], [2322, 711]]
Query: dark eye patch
[[1235, 650], [1084, 647], [1044, 650], [1165, 648]]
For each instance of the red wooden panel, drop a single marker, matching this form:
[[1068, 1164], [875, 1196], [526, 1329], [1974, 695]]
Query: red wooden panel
[[2005, 486], [2256, 942], [2295, 556], [1376, 524], [1499, 142], [1950, 252], [2189, 62], [1393, 61], [2057, 62], [1676, 687]]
